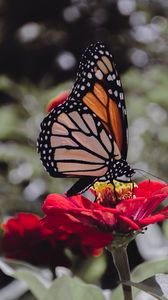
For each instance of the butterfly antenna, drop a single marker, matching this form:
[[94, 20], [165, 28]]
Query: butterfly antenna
[[141, 173], [148, 173]]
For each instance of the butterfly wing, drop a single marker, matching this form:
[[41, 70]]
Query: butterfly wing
[[71, 142], [81, 137], [100, 88]]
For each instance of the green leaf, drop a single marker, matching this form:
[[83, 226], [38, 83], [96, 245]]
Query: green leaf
[[150, 268], [62, 288], [165, 228], [156, 286], [144, 270], [73, 289], [37, 284], [92, 269]]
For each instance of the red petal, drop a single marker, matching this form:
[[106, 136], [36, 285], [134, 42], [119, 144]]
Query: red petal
[[58, 100], [129, 222], [164, 211], [157, 217], [133, 208], [152, 219], [78, 215], [97, 252], [22, 222], [55, 201], [78, 209], [139, 208], [152, 203], [96, 238], [147, 188]]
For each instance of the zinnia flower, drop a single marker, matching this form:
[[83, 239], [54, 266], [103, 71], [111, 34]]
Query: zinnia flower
[[120, 210], [75, 217], [24, 238]]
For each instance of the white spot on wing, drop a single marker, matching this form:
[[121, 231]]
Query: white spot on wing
[[109, 77], [118, 82], [121, 96], [116, 93], [99, 75]]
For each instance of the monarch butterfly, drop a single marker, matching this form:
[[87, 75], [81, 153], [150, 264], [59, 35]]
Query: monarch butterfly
[[86, 136]]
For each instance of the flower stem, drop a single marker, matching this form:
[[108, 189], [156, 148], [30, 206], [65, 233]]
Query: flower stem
[[120, 259], [53, 272]]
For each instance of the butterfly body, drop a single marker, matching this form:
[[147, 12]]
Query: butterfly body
[[86, 136]]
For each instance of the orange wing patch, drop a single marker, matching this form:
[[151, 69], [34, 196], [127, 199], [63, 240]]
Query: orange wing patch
[[96, 106], [107, 111], [115, 123], [103, 106], [100, 93]]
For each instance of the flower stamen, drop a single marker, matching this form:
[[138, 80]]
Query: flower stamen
[[109, 194]]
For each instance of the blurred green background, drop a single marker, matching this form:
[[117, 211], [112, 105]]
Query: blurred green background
[[41, 43]]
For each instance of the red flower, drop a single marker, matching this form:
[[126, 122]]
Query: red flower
[[61, 98], [78, 216], [140, 211], [26, 239], [96, 224]]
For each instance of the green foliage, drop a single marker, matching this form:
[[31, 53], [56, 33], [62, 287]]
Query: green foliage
[[141, 272], [59, 289], [165, 229], [31, 276], [146, 96], [156, 286], [73, 288], [19, 161], [92, 269]]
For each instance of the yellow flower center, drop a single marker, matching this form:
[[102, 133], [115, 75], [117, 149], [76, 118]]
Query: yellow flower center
[[109, 194]]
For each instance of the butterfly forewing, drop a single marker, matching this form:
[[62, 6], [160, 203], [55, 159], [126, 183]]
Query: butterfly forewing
[[99, 87]]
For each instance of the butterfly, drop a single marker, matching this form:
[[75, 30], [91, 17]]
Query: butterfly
[[86, 136]]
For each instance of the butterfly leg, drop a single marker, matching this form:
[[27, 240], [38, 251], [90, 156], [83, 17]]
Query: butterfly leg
[[81, 185], [115, 193], [133, 186]]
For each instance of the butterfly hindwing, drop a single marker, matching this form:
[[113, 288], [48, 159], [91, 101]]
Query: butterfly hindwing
[[71, 144]]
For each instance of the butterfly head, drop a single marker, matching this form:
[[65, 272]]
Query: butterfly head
[[130, 172]]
